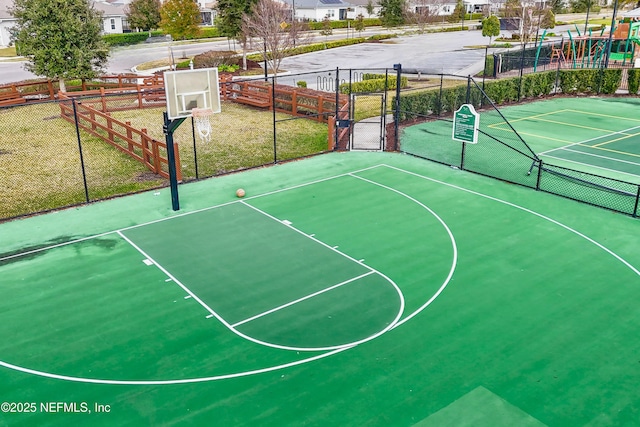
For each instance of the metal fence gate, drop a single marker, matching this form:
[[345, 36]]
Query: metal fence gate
[[368, 134]]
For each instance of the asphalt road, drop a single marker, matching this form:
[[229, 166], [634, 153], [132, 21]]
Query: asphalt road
[[432, 53]]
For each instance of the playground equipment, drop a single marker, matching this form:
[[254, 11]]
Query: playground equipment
[[589, 50]]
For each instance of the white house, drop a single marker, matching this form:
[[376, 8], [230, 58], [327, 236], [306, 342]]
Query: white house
[[360, 8], [6, 22], [113, 17], [113, 20], [318, 10]]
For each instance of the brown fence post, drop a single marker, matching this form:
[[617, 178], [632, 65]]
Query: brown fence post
[[177, 159], [320, 108], [146, 156], [294, 102], [103, 100], [129, 136], [157, 165], [332, 133]]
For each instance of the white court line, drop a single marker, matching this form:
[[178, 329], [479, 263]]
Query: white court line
[[172, 277], [603, 157], [106, 233], [453, 245], [522, 208], [621, 132], [265, 343], [590, 166], [309, 359], [395, 286], [289, 304]]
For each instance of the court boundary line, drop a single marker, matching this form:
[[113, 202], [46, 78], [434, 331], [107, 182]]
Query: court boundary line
[[304, 298], [106, 233], [265, 343], [331, 248], [495, 125], [558, 223], [323, 355], [602, 115], [453, 244], [603, 157], [589, 166], [585, 141]]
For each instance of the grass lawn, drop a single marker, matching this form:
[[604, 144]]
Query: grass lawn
[[45, 168]]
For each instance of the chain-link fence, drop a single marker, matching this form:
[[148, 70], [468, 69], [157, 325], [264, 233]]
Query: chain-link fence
[[424, 126], [86, 148]]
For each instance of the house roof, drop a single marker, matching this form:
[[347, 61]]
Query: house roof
[[317, 4], [4, 9], [106, 8], [109, 9], [635, 13]]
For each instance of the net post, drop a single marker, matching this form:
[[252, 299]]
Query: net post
[[635, 208], [396, 106]]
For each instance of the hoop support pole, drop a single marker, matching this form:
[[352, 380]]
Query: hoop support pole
[[168, 128]]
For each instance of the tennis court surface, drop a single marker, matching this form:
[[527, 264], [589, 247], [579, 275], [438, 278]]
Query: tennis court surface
[[349, 289]]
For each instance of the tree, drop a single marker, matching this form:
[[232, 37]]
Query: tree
[[370, 8], [144, 14], [557, 6], [326, 30], [392, 12], [229, 18], [60, 39], [529, 17], [548, 19], [422, 15], [491, 27], [582, 6], [180, 18], [267, 23], [458, 12], [358, 24]]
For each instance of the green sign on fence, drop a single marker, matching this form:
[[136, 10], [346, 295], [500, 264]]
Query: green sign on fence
[[465, 124]]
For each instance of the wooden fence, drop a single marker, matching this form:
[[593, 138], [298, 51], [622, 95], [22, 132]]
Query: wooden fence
[[131, 141], [39, 90], [342, 142], [299, 102]]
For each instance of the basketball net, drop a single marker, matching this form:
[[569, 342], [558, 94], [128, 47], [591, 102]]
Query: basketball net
[[202, 121]]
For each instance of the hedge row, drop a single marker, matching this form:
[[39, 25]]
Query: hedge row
[[633, 80], [322, 46], [513, 90], [368, 22], [127, 39], [373, 83]]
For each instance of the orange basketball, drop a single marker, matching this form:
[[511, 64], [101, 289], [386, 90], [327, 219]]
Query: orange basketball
[[240, 192]]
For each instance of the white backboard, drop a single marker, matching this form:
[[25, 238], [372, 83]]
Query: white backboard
[[190, 89]]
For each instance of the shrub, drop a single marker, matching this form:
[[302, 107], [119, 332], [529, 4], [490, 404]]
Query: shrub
[[228, 68], [214, 58], [129, 38], [373, 83], [313, 47], [301, 83], [382, 36], [590, 81], [368, 22], [209, 32], [633, 80]]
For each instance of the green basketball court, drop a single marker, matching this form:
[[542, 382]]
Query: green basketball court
[[348, 289]]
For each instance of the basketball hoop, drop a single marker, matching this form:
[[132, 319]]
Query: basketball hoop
[[202, 121]]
